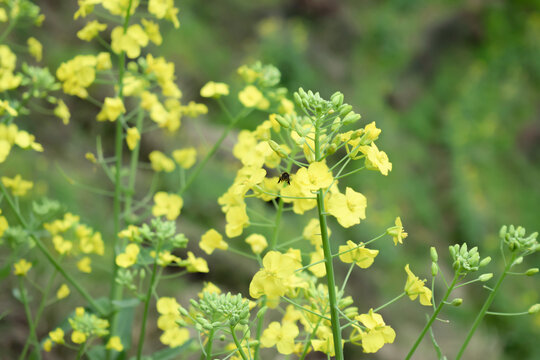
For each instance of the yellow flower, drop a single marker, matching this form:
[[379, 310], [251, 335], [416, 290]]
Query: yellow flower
[[3, 224], [57, 335], [377, 332], [62, 246], [252, 97], [5, 106], [166, 204], [185, 157], [84, 265], [131, 233], [103, 61], [78, 337], [35, 48], [257, 242], [376, 159], [130, 42], [112, 108], [160, 162], [212, 240], [164, 9], [275, 276], [414, 287], [152, 30], [209, 288], [119, 7], [77, 74], [358, 254], [47, 345], [115, 344], [371, 132], [21, 267], [214, 89], [318, 270], [237, 219], [63, 292], [312, 232], [347, 208], [164, 72], [129, 257], [195, 264], [316, 176], [18, 186], [280, 335], [62, 111], [132, 138], [397, 232], [91, 30], [167, 305], [174, 337], [249, 75], [194, 109], [325, 341]]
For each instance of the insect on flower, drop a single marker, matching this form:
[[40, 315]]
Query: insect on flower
[[285, 177]]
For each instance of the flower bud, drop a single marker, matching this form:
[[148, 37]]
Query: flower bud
[[344, 110], [297, 98], [283, 122], [456, 302], [277, 149], [518, 261], [502, 232], [534, 309], [434, 255], [485, 261], [351, 118], [337, 99], [261, 312], [485, 277], [531, 271], [222, 337], [434, 269]]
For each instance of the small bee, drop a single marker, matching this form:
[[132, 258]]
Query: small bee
[[285, 177]]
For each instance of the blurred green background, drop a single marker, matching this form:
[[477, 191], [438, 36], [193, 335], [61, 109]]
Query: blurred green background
[[455, 88]]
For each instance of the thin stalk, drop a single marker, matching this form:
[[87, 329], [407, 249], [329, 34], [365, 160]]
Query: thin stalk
[[147, 301], [208, 349], [484, 309], [49, 256], [31, 324], [133, 169], [238, 344], [433, 317]]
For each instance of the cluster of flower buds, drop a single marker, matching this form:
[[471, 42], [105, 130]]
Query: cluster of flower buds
[[516, 240], [465, 260], [219, 310]]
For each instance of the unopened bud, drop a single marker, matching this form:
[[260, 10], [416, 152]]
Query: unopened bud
[[485, 277], [531, 271], [297, 98], [518, 261], [344, 110], [457, 302], [283, 122], [351, 118], [434, 255], [222, 337], [434, 269], [485, 261], [534, 309], [502, 232], [337, 99], [261, 312]]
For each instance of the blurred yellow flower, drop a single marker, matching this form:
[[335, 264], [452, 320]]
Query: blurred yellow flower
[[196, 264], [78, 337], [84, 265], [112, 108], [132, 138], [166, 204], [18, 186], [257, 242], [251, 97], [128, 257], [22, 267], [115, 344], [152, 30], [212, 240], [57, 335], [63, 292], [185, 157], [129, 42], [62, 111], [91, 30], [160, 162], [214, 89], [35, 48]]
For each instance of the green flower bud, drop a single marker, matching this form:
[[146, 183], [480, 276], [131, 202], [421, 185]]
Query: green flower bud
[[261, 312], [456, 302], [351, 118], [343, 303], [283, 122], [331, 149], [485, 277], [434, 255], [344, 110], [222, 337], [277, 149], [534, 309], [434, 269], [337, 99], [502, 232], [485, 261], [531, 271], [518, 261]]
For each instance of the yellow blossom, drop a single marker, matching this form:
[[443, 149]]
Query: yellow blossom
[[248, 75], [415, 287], [77, 74], [6, 107], [91, 30], [119, 7], [325, 341], [185, 157], [257, 242], [358, 254], [397, 232], [212, 240], [195, 264], [316, 176], [129, 42], [131, 233], [166, 204], [91, 157], [210, 288], [280, 335], [112, 108], [63, 292], [194, 109], [62, 111], [78, 337], [376, 159], [164, 9], [18, 186], [174, 337], [164, 72], [57, 335], [84, 265], [237, 219], [214, 89], [377, 332], [128, 257], [275, 276], [167, 305], [103, 61], [115, 344], [61, 245], [312, 232], [47, 344], [35, 48], [132, 138], [252, 97], [21, 267], [347, 208], [3, 224], [371, 132], [160, 162], [152, 30], [317, 256]]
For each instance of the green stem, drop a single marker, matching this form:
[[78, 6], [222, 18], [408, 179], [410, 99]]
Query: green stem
[[484, 309], [238, 344], [50, 258], [8, 30], [147, 301], [390, 302], [208, 349], [133, 170], [31, 324], [332, 296], [433, 317], [81, 351]]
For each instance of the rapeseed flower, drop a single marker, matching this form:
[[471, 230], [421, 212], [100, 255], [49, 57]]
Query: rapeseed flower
[[166, 204], [414, 287], [112, 109], [160, 162], [129, 42], [280, 335], [212, 240], [62, 111], [132, 137], [275, 277], [22, 267], [35, 48], [214, 89], [348, 208], [397, 232], [257, 242], [358, 254], [63, 292], [128, 257], [377, 332], [185, 157], [251, 97], [18, 186], [115, 344], [91, 30], [196, 264]]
